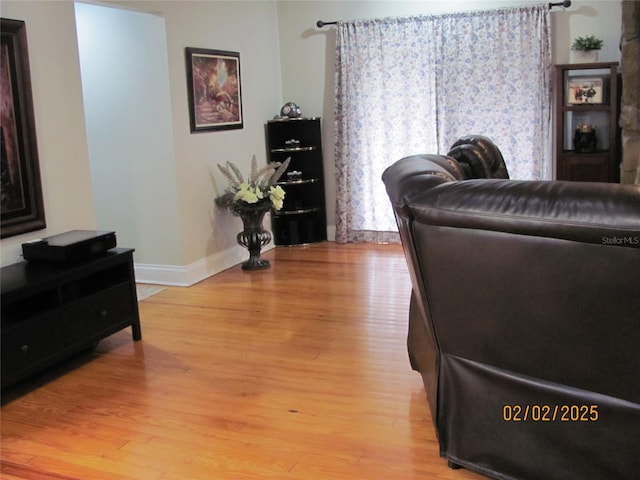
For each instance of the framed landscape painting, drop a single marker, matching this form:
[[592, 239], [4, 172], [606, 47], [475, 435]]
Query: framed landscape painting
[[22, 208], [215, 95]]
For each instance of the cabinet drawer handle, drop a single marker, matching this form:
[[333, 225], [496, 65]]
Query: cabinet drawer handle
[[25, 348]]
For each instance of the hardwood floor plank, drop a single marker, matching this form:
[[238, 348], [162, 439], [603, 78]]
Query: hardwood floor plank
[[13, 471], [297, 372]]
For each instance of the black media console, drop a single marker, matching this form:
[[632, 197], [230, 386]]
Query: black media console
[[52, 310]]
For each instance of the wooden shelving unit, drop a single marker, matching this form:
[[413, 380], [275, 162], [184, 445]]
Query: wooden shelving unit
[[587, 94]]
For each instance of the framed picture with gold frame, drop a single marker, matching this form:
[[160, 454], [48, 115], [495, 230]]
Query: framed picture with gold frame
[[22, 205]]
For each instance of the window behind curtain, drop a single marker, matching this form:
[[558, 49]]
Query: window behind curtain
[[414, 85]]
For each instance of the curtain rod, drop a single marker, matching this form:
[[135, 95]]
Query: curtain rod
[[565, 4], [321, 24]]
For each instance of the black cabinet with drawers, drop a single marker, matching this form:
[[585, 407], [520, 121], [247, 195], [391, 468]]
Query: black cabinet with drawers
[[52, 310]]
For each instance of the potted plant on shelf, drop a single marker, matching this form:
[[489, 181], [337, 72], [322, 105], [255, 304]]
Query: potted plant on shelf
[[585, 49], [250, 200]]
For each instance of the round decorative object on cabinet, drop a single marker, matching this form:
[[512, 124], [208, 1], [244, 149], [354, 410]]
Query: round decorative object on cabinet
[[290, 110]]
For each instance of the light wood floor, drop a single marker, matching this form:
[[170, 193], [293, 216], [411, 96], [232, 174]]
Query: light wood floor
[[296, 372]]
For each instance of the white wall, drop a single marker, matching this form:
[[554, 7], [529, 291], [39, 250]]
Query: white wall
[[125, 79], [59, 118], [208, 235], [308, 53], [600, 18]]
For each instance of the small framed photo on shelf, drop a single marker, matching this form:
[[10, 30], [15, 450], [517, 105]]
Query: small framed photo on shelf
[[585, 90]]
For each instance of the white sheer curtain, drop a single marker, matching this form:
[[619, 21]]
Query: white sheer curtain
[[416, 84]]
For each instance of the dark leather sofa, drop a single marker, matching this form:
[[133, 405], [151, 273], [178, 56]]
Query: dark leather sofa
[[524, 316]]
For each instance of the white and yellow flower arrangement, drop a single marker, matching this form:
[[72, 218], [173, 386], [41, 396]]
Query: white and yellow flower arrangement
[[259, 191]]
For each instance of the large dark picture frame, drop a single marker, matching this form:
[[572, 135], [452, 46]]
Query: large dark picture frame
[[215, 98], [22, 209]]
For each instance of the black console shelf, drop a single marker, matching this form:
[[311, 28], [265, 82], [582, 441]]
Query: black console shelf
[[53, 310]]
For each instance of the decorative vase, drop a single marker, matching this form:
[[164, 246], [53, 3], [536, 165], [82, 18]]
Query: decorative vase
[[584, 139], [584, 56], [253, 237]]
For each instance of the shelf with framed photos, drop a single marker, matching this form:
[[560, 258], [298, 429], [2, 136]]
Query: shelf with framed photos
[[302, 218], [587, 135]]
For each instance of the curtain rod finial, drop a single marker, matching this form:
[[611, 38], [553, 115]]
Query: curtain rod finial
[[321, 24]]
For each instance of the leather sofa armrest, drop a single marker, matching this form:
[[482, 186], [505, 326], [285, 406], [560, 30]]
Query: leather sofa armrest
[[587, 212], [410, 176]]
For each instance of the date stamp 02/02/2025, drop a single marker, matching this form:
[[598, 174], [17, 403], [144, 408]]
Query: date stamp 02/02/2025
[[550, 413]]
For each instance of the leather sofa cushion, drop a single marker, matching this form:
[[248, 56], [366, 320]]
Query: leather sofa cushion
[[587, 212]]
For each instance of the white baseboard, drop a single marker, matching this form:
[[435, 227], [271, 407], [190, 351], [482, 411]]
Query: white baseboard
[[331, 233], [185, 276]]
